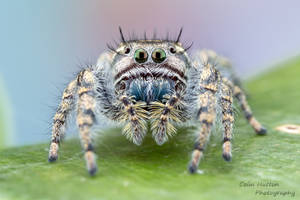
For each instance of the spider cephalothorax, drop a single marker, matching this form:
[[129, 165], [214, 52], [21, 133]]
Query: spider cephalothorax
[[151, 73], [153, 81]]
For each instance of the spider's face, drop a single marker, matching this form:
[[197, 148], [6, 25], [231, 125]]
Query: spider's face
[[150, 59]]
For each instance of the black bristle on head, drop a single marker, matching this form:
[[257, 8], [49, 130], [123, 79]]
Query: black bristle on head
[[134, 38], [188, 47], [154, 34], [113, 46], [110, 47], [168, 36], [179, 35], [122, 35]]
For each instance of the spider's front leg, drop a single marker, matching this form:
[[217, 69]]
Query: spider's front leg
[[206, 115], [134, 114], [86, 116], [162, 116], [60, 119]]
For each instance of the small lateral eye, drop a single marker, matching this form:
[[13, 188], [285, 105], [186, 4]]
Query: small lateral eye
[[127, 50], [158, 55], [172, 50]]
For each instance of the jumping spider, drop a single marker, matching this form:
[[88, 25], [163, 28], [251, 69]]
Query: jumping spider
[[155, 81]]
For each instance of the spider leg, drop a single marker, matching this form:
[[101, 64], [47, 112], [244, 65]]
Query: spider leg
[[235, 84], [135, 129], [162, 115], [60, 119], [241, 97], [206, 115], [86, 116], [227, 119]]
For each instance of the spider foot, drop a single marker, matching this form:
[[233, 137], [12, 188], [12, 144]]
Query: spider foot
[[227, 156], [261, 131], [91, 163], [53, 152], [227, 151], [192, 168], [194, 163]]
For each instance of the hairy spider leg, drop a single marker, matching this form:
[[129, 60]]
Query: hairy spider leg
[[227, 119], [134, 114], [86, 116], [60, 119], [209, 83], [163, 115], [241, 97]]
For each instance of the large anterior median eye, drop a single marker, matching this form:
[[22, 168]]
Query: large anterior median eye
[[158, 55], [140, 55]]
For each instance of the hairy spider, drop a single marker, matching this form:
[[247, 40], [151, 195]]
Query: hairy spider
[[155, 81]]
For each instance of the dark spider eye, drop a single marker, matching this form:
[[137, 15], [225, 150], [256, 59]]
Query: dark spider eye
[[140, 55], [127, 50], [172, 50], [158, 55]]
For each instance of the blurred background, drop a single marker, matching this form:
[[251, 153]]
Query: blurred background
[[43, 43]]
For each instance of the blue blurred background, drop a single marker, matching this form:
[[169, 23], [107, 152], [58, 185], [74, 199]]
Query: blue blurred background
[[44, 42]]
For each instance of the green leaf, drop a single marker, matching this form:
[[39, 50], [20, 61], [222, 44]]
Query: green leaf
[[149, 171]]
